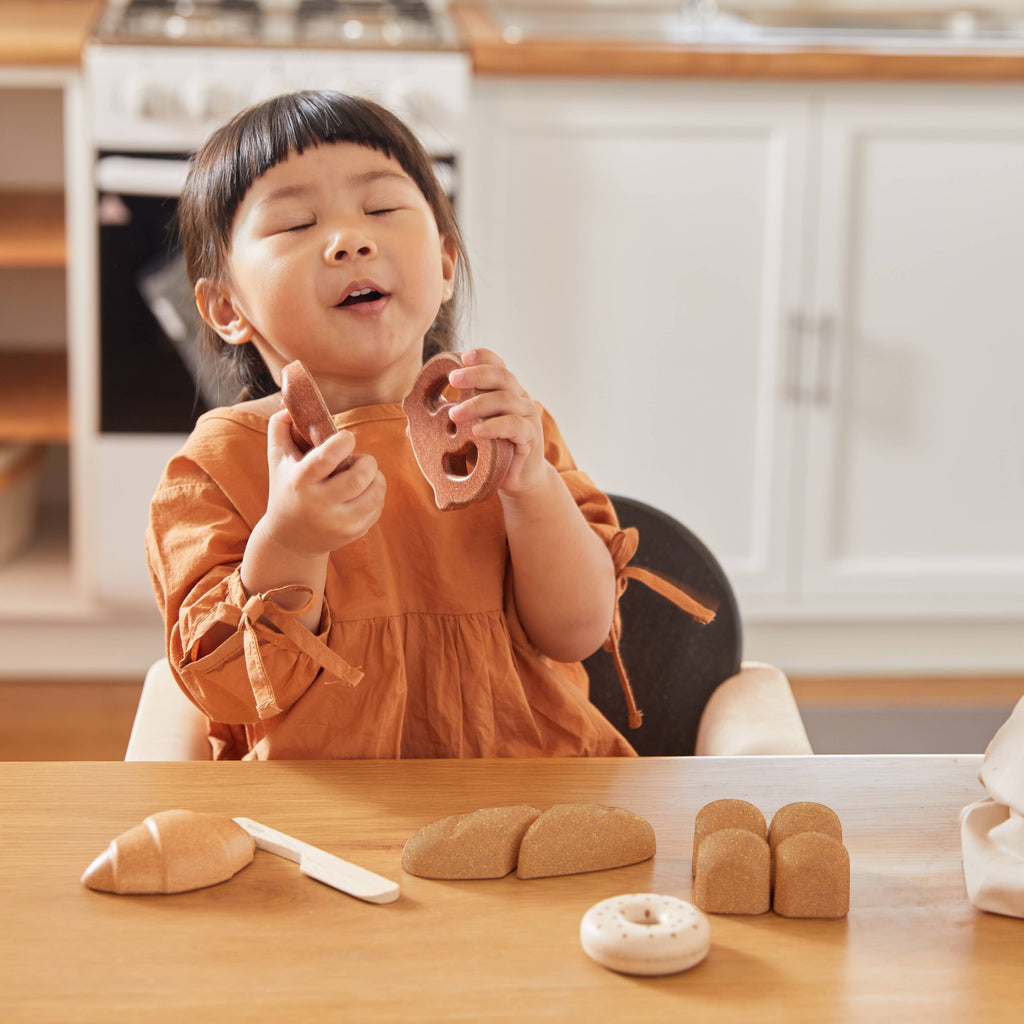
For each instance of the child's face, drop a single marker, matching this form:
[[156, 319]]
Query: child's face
[[336, 260]]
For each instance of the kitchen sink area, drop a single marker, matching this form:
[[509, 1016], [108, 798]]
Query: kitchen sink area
[[749, 23]]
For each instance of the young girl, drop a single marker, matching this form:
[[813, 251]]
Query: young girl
[[319, 614]]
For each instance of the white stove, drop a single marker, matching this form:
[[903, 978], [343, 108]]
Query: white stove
[[367, 23], [163, 73], [160, 75]]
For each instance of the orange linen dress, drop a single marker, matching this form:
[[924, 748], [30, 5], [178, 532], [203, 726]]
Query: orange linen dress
[[419, 651]]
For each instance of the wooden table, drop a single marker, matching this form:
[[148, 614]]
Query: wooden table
[[271, 945]]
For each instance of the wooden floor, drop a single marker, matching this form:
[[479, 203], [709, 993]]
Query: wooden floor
[[909, 691], [66, 720], [90, 720]]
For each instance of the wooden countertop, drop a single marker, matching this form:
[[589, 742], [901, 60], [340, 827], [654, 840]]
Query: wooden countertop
[[492, 55], [53, 33], [45, 32], [272, 945]]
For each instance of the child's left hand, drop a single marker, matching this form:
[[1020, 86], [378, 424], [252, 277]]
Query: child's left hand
[[504, 410]]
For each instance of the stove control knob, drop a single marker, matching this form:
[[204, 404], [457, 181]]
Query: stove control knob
[[144, 98], [205, 100]]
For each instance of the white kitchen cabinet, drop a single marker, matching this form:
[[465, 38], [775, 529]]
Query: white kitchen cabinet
[[784, 313], [636, 250], [915, 425]]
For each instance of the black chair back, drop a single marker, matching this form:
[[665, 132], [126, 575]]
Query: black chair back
[[674, 663]]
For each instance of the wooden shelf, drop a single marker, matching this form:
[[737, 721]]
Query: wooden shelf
[[32, 229], [38, 581], [34, 397], [48, 32]]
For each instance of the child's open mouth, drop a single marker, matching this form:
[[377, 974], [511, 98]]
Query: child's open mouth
[[362, 296]]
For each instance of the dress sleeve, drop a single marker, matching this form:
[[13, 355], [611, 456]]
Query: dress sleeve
[[595, 505], [622, 544], [194, 546]]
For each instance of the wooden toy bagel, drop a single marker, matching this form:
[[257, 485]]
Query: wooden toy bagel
[[311, 420], [461, 468], [644, 933]]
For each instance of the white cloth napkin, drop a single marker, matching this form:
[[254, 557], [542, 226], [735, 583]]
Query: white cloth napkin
[[992, 830]]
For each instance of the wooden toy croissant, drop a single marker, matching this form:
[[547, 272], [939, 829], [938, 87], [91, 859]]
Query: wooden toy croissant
[[172, 851]]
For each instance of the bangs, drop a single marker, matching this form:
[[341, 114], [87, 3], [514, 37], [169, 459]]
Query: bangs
[[300, 121], [259, 138], [267, 135]]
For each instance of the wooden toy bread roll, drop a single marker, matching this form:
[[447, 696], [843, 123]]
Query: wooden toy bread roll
[[172, 851], [460, 468], [569, 839], [721, 814], [812, 876], [803, 816], [483, 844], [734, 874], [312, 423]]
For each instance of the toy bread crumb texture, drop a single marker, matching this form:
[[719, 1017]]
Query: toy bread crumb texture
[[480, 844], [721, 814], [808, 868], [734, 873], [172, 851], [812, 877], [803, 816], [571, 839]]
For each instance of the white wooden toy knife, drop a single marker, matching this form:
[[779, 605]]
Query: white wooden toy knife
[[323, 866]]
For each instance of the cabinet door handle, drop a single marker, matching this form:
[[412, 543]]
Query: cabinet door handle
[[826, 353], [796, 325]]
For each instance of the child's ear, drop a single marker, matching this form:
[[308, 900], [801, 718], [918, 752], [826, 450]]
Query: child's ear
[[449, 261], [217, 307]]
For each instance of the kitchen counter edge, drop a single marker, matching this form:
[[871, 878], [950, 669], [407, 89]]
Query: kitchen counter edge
[[492, 55], [46, 33]]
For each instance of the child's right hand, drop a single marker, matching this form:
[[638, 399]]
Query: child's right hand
[[314, 508]]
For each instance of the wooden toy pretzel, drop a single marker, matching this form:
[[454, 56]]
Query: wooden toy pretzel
[[461, 468], [311, 420]]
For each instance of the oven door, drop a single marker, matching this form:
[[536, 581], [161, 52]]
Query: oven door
[[148, 362], [153, 377]]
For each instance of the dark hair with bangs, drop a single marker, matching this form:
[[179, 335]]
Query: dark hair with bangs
[[259, 138]]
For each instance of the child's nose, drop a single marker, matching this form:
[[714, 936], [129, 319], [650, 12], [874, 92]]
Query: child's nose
[[345, 244]]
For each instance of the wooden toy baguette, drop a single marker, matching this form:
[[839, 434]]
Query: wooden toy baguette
[[311, 420], [460, 467], [565, 840], [569, 839], [480, 844], [172, 851]]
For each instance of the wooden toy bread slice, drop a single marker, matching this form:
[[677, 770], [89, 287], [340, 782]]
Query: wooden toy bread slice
[[572, 838], [733, 873], [721, 814], [812, 876], [481, 844], [172, 851]]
